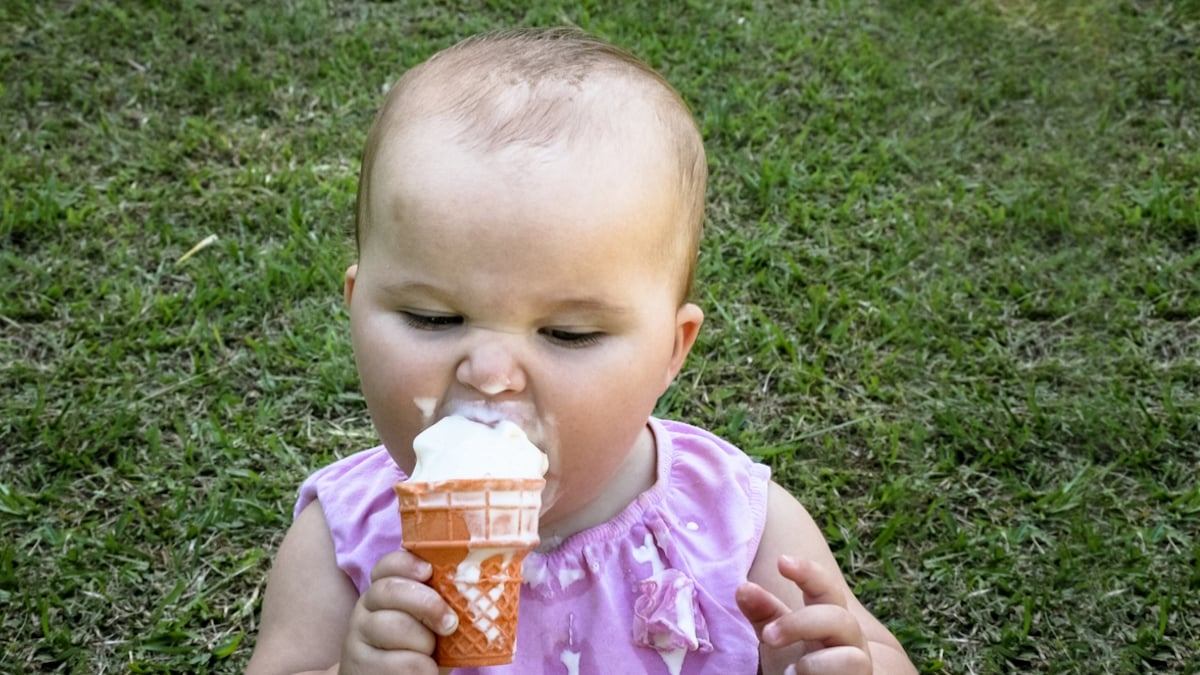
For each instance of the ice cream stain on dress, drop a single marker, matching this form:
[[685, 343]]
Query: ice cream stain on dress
[[666, 614], [569, 655]]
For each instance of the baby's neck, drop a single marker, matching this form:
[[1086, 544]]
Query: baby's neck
[[635, 476]]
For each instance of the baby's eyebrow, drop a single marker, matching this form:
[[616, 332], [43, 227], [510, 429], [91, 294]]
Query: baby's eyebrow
[[410, 288], [586, 305], [589, 306]]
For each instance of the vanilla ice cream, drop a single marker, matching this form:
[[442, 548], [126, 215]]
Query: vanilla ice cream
[[471, 510], [457, 447]]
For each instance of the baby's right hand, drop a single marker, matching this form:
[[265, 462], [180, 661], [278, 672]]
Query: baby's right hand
[[392, 629]]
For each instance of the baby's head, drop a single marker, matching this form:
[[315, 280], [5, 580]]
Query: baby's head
[[513, 93], [528, 219]]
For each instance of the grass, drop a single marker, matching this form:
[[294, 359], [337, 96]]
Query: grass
[[950, 272]]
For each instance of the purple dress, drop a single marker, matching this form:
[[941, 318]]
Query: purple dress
[[650, 591]]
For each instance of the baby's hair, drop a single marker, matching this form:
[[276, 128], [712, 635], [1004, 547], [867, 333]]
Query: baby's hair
[[524, 87]]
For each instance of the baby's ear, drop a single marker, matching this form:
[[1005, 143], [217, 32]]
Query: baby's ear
[[348, 288], [688, 320]]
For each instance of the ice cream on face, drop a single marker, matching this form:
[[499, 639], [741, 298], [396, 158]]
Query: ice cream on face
[[457, 447]]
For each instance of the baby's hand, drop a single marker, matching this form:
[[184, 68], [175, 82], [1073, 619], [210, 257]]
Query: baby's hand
[[820, 637], [392, 629]]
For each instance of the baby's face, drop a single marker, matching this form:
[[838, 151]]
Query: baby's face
[[520, 284]]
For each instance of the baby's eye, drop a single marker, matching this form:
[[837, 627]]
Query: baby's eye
[[567, 338], [431, 321]]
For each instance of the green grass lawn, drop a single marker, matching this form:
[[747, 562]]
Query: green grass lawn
[[951, 273]]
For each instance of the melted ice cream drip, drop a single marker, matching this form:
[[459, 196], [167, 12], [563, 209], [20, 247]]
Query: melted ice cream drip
[[481, 603], [568, 656], [648, 553]]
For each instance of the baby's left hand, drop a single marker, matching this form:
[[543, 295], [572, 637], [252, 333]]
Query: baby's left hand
[[823, 636]]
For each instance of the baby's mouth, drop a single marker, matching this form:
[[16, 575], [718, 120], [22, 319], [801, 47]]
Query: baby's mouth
[[492, 414], [540, 432]]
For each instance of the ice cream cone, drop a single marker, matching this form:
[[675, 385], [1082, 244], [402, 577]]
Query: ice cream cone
[[475, 533]]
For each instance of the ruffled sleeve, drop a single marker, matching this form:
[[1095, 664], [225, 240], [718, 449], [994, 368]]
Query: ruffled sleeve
[[356, 497]]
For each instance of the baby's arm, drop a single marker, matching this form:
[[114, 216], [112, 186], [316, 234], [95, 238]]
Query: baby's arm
[[313, 617], [805, 614]]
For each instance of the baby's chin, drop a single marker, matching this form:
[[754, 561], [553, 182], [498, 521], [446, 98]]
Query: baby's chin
[[405, 460], [550, 493]]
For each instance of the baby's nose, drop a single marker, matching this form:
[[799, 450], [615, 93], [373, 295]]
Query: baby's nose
[[491, 369]]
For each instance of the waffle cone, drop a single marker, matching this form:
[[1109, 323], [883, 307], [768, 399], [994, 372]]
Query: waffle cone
[[475, 533]]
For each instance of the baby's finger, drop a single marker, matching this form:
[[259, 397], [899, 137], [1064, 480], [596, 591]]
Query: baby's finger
[[389, 630], [847, 660], [819, 585], [824, 625], [401, 563], [359, 656], [413, 598], [758, 605]]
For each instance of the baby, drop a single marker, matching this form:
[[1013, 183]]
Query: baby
[[529, 213]]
